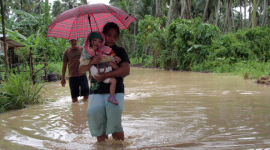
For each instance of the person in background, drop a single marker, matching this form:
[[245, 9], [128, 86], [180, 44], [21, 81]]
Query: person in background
[[78, 82], [103, 117]]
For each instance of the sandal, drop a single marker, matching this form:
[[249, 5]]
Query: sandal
[[112, 100]]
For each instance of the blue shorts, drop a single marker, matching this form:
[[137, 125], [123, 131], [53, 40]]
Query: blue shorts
[[78, 86], [104, 116]]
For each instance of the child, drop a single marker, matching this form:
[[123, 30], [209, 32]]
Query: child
[[94, 45]]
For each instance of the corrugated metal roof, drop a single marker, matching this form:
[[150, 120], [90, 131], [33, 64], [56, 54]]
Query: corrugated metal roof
[[14, 43], [11, 43]]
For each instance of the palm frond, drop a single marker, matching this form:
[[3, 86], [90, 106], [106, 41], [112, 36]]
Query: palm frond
[[20, 12]]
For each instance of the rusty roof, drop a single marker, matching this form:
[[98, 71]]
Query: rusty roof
[[10, 42]]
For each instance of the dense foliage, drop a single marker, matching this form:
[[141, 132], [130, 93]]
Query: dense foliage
[[195, 46]]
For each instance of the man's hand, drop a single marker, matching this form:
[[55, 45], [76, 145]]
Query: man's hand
[[63, 82], [100, 77]]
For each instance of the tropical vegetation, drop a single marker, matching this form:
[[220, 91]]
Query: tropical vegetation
[[222, 36], [18, 92]]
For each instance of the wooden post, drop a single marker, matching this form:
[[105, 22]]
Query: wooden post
[[12, 56], [12, 59], [32, 74], [4, 39], [18, 68], [45, 65]]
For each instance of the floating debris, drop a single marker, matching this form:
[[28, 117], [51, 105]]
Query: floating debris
[[264, 80]]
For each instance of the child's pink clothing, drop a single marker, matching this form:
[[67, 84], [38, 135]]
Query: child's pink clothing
[[105, 52]]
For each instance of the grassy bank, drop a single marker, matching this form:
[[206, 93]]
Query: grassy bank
[[18, 92]]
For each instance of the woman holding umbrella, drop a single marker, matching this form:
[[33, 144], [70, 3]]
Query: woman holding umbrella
[[103, 117]]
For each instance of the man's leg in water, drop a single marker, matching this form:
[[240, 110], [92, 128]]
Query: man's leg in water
[[114, 118], [75, 99], [102, 137], [118, 136]]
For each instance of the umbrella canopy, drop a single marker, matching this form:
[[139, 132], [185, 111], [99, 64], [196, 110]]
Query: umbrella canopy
[[79, 21]]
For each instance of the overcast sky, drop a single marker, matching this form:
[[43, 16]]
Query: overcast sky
[[91, 1]]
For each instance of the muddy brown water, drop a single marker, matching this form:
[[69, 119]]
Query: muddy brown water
[[163, 110]]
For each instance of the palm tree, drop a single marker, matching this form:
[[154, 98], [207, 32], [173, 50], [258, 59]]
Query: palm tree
[[6, 7], [145, 7], [169, 13], [217, 11], [264, 12], [205, 10], [228, 12], [245, 13], [240, 14], [57, 8], [254, 14], [69, 4], [83, 2], [209, 7], [134, 32], [38, 7], [157, 12], [188, 9]]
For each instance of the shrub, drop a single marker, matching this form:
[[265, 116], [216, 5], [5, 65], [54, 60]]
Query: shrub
[[17, 92]]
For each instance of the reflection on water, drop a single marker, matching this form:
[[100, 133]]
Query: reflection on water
[[163, 110]]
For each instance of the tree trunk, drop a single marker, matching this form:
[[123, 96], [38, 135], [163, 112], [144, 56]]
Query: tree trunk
[[264, 12], [232, 19], [188, 5], [227, 16], [241, 18], [161, 13], [267, 14], [254, 14], [177, 6], [205, 10], [208, 14], [249, 14], [183, 8], [217, 11], [230, 16], [134, 14], [157, 8], [245, 13], [169, 13], [5, 44], [254, 9]]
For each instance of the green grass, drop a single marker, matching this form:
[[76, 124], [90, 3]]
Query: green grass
[[18, 92], [246, 69]]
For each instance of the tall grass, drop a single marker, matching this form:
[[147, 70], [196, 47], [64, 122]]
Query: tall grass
[[17, 92]]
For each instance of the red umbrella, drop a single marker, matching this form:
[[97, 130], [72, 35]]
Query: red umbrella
[[79, 21]]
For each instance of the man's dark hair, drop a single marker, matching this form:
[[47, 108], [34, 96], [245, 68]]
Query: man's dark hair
[[110, 25]]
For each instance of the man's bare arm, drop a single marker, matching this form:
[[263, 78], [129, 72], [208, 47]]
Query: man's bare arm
[[121, 71], [64, 68]]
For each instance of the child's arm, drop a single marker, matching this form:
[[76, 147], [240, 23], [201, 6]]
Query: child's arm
[[84, 68], [117, 59], [114, 66]]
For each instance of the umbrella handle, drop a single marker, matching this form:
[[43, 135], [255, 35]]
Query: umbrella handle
[[89, 22]]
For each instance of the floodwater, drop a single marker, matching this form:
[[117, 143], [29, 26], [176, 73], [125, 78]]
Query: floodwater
[[163, 110]]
